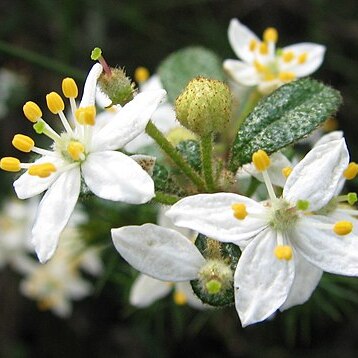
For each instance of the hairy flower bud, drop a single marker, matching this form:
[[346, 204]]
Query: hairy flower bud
[[204, 106], [117, 86]]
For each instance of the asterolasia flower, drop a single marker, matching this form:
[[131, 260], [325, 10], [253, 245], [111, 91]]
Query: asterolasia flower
[[287, 242], [83, 151], [265, 66]]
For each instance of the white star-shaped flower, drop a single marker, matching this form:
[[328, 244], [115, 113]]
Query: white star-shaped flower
[[85, 150], [265, 66], [286, 242]]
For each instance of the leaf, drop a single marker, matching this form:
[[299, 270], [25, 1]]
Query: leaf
[[190, 150], [288, 114], [181, 66], [164, 181]]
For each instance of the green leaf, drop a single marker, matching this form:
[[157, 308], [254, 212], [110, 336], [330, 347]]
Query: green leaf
[[190, 150], [163, 180], [181, 66], [288, 114]]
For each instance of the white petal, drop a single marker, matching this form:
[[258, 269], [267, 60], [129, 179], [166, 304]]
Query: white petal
[[317, 176], [54, 212], [89, 90], [212, 215], [102, 100], [306, 279], [152, 83], [115, 176], [158, 252], [335, 135], [325, 249], [241, 72], [146, 290], [262, 282], [240, 37], [147, 162], [27, 186], [129, 122], [315, 56]]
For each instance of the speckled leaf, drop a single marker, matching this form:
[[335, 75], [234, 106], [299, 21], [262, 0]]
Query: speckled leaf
[[288, 114], [181, 66], [163, 180], [190, 150]]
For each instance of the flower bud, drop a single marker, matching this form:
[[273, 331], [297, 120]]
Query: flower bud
[[204, 106], [117, 86]]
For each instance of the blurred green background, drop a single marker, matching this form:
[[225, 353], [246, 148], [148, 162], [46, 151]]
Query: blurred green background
[[60, 36]]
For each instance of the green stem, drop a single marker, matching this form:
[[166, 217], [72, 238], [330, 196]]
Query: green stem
[[165, 199], [176, 157], [249, 105], [41, 60], [206, 158]]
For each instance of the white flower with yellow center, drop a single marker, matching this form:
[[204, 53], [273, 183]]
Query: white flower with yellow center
[[286, 241], [84, 150], [265, 66]]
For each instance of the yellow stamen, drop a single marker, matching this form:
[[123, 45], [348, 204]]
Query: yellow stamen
[[270, 35], [252, 45], [261, 160], [263, 48], [55, 102], [23, 143], [343, 227], [288, 56], [351, 171], [259, 66], [32, 111], [141, 74], [76, 150], [180, 298], [268, 75], [86, 115], [302, 58], [286, 76], [239, 210], [283, 252], [286, 171], [69, 88], [10, 164], [43, 170]]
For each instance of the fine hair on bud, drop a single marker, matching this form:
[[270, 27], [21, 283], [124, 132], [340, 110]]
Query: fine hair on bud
[[204, 106]]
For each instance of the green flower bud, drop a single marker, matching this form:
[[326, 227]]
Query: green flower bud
[[117, 86], [204, 106]]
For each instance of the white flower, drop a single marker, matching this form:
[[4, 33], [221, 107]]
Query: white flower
[[265, 66], [86, 150], [286, 242]]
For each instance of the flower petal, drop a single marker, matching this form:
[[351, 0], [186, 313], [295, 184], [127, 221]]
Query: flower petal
[[326, 250], [115, 176], [129, 122], [146, 290], [241, 72], [307, 277], [54, 212], [158, 252], [317, 176], [212, 215], [262, 282], [89, 90], [240, 37]]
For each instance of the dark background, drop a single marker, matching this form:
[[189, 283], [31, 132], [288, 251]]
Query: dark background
[[134, 33]]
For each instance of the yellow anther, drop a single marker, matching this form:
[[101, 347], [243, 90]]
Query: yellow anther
[[55, 102], [259, 66], [180, 298], [10, 164], [343, 227], [351, 171], [32, 111], [302, 58], [239, 210], [76, 150], [263, 48], [283, 252], [43, 170], [286, 76], [286, 171], [288, 56], [86, 115], [252, 45], [270, 35], [261, 160], [69, 88], [23, 143], [268, 75], [141, 74]]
